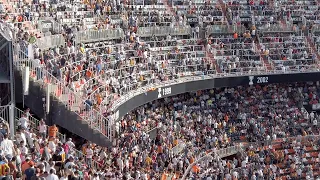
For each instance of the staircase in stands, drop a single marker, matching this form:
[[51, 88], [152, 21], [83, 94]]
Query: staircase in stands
[[263, 57]]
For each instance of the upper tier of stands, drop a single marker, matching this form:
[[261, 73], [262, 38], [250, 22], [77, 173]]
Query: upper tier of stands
[[93, 54]]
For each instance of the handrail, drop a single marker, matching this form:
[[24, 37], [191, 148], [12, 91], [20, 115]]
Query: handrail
[[145, 89], [234, 149], [34, 125], [88, 113], [220, 153]]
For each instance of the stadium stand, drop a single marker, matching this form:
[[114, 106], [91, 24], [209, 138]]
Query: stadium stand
[[95, 53]]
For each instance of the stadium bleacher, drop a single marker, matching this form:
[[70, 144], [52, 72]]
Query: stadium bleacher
[[95, 53]]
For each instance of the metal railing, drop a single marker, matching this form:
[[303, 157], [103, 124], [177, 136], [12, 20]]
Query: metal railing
[[278, 28], [163, 31], [65, 95], [34, 123], [98, 35], [50, 41], [219, 29], [219, 153], [146, 88], [34, 126], [178, 148], [315, 28]]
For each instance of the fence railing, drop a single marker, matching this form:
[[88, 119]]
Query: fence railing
[[98, 35], [163, 31], [34, 126], [47, 42], [65, 95], [215, 154], [218, 29], [146, 88], [278, 28], [33, 122]]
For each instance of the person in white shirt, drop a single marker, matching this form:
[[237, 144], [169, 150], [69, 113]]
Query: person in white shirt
[[70, 163], [43, 129], [89, 154], [7, 146], [52, 146], [70, 143], [52, 176], [64, 176], [24, 122], [24, 151]]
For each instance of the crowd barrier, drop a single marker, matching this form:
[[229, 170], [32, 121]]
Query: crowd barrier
[[163, 31], [221, 29], [47, 42], [98, 35]]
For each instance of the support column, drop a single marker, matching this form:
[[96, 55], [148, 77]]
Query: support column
[[11, 120]]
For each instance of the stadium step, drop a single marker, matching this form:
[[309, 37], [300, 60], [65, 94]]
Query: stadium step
[[61, 114], [223, 7], [263, 57], [169, 7], [210, 56], [311, 44]]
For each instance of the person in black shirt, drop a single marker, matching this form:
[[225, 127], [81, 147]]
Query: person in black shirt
[[57, 158], [75, 176]]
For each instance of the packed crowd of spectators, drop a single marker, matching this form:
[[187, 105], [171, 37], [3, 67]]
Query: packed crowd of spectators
[[100, 72], [220, 118], [163, 138]]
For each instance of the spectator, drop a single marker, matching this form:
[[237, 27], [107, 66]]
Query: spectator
[[43, 129], [52, 175], [7, 147], [53, 131], [30, 171], [24, 121]]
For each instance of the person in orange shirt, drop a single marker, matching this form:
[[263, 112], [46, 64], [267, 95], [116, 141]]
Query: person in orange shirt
[[196, 169], [53, 131], [235, 35], [27, 164]]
